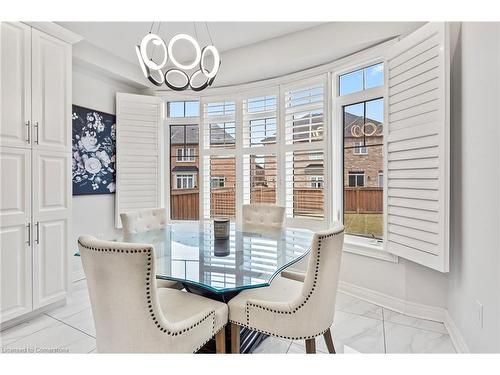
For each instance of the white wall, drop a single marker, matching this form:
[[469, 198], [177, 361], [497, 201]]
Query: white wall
[[475, 204], [94, 214]]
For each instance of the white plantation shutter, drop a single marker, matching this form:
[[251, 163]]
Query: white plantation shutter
[[304, 114], [416, 146], [304, 152], [139, 152]]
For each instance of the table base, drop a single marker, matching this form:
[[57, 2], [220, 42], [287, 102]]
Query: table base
[[249, 340]]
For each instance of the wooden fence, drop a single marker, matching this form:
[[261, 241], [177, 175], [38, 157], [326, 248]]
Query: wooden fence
[[307, 201], [363, 200], [185, 204]]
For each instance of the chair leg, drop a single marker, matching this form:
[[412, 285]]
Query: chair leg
[[220, 341], [235, 338], [311, 346], [329, 341]]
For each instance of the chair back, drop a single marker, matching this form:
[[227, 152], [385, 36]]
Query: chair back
[[123, 295], [143, 220], [265, 215], [321, 282]]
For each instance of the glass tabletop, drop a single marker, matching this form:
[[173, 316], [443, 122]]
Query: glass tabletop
[[188, 252]]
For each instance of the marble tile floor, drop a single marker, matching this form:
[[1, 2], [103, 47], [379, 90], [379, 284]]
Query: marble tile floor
[[358, 327]]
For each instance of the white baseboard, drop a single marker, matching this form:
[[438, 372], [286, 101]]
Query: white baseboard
[[455, 334], [414, 309]]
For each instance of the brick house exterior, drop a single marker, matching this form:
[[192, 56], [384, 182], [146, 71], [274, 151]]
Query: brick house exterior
[[368, 160]]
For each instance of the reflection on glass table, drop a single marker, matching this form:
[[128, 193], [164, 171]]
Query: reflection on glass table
[[251, 257]]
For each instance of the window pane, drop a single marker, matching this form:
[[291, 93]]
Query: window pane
[[262, 132], [192, 109], [220, 109], [184, 194], [261, 104], [374, 128], [303, 200], [363, 161], [222, 199], [259, 175], [222, 135], [176, 109], [351, 82], [374, 76]]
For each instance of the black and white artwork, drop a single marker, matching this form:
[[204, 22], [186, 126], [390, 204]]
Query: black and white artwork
[[94, 151]]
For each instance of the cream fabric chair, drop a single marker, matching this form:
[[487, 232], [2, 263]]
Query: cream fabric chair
[[131, 315], [296, 271], [263, 215], [142, 221], [291, 309]]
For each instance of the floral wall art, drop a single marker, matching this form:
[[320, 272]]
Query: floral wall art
[[94, 152]]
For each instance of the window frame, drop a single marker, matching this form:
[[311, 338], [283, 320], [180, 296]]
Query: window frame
[[219, 178], [186, 176], [356, 175], [354, 244], [173, 121], [189, 157], [358, 146]]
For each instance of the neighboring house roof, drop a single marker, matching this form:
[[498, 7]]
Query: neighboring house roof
[[219, 136], [177, 135], [314, 168], [185, 168]]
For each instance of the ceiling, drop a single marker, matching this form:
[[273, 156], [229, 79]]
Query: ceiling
[[119, 38]]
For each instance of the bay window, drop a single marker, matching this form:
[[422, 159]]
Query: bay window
[[360, 140]]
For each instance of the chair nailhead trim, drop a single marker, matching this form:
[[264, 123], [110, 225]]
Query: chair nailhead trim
[[279, 336], [148, 295], [299, 306]]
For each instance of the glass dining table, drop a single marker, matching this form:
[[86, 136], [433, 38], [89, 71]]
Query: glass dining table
[[188, 252]]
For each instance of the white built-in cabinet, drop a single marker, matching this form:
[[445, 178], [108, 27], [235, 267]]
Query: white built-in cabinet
[[35, 158]]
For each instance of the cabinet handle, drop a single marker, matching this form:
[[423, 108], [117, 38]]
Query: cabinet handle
[[37, 232], [28, 228], [28, 123], [37, 136]]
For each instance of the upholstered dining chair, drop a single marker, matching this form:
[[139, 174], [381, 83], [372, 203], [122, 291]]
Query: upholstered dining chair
[[143, 221], [291, 309], [263, 215], [131, 315]]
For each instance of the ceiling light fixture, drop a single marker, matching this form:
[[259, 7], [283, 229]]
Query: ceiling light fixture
[[153, 70]]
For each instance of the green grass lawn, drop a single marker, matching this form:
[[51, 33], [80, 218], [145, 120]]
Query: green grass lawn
[[364, 224]]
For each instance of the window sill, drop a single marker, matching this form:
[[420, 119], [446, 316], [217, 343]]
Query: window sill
[[368, 248]]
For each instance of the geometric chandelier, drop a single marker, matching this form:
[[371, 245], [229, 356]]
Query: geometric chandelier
[[195, 74]]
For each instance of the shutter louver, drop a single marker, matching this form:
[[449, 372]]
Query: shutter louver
[[416, 148], [139, 164], [304, 114]]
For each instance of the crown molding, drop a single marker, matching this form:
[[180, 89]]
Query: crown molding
[[56, 31]]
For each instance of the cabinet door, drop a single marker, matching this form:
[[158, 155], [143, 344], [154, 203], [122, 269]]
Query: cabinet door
[[15, 85], [51, 98], [51, 218], [15, 233]]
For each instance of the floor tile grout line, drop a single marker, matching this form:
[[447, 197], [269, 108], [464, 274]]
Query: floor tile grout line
[[69, 325], [422, 329], [419, 328], [358, 314], [32, 333], [48, 313]]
